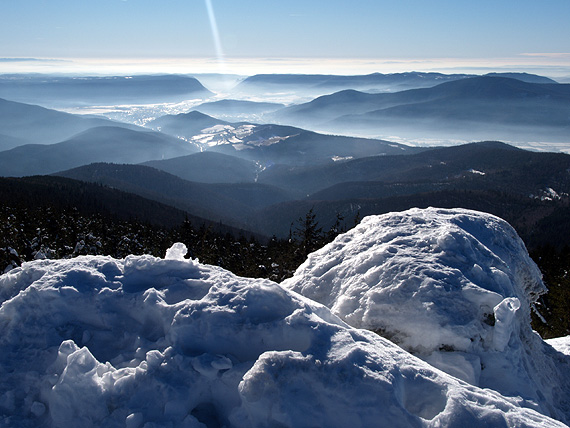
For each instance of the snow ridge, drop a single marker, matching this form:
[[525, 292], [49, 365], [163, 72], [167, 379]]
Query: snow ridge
[[452, 286]]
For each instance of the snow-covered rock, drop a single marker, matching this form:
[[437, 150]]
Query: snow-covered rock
[[147, 342], [452, 286]]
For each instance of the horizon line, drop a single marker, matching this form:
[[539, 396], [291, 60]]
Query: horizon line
[[553, 65]]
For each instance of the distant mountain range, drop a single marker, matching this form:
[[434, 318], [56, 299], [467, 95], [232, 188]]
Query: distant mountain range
[[85, 140], [270, 144], [320, 82], [468, 108], [317, 84], [524, 77], [55, 91]]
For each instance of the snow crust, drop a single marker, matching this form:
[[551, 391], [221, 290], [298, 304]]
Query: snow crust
[[148, 342], [561, 344], [452, 286]]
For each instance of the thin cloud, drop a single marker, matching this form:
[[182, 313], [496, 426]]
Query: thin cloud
[[549, 66], [31, 60], [562, 55]]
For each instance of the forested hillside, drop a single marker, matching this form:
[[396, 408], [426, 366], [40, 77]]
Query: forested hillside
[[54, 217]]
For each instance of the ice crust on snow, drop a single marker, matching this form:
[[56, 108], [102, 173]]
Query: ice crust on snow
[[148, 342], [561, 344], [452, 286]]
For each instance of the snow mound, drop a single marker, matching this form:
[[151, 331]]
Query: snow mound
[[452, 286], [148, 342]]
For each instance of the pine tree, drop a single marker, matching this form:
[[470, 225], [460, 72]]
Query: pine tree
[[309, 234]]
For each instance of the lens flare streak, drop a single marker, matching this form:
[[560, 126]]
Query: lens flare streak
[[216, 35]]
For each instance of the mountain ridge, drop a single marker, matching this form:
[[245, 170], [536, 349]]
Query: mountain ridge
[[508, 107], [54, 91], [230, 203], [105, 143], [40, 125]]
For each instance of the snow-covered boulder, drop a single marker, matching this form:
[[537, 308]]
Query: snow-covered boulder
[[452, 286], [148, 342]]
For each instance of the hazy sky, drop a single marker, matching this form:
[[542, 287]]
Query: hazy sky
[[407, 30]]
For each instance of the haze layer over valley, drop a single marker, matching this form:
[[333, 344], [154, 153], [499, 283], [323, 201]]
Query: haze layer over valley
[[417, 108]]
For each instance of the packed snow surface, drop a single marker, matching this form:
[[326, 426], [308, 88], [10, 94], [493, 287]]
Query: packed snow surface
[[454, 287], [561, 344], [148, 342]]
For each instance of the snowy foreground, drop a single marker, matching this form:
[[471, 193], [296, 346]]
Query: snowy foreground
[[149, 342], [453, 287]]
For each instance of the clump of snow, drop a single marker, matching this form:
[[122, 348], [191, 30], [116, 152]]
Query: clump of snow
[[550, 191], [176, 252], [474, 171], [549, 194], [146, 342], [341, 158], [452, 286]]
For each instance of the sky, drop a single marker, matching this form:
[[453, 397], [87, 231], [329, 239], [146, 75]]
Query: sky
[[293, 35]]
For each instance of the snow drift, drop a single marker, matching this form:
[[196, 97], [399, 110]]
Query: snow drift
[[148, 342], [454, 287]]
